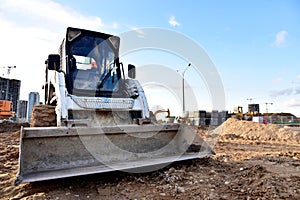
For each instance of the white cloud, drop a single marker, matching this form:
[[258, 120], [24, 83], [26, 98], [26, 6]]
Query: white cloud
[[298, 77], [283, 92], [173, 22], [139, 32], [292, 103], [32, 29], [115, 25], [286, 92], [279, 79], [49, 12], [280, 38]]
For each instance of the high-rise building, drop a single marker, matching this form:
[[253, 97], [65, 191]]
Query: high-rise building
[[22, 110], [33, 99], [10, 90]]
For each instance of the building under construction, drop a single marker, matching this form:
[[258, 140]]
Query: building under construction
[[10, 90]]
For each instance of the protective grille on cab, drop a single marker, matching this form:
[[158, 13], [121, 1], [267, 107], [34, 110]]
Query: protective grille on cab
[[101, 102]]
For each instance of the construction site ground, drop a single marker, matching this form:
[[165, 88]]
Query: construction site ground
[[252, 161]]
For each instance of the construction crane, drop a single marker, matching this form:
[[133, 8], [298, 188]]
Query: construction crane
[[7, 81], [8, 70]]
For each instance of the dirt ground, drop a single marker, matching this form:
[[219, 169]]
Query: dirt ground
[[252, 161]]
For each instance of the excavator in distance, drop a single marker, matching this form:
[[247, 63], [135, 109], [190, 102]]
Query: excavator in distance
[[95, 117]]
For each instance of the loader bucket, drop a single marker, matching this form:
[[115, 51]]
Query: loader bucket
[[58, 152]]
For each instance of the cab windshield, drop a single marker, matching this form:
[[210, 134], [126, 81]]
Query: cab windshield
[[93, 65]]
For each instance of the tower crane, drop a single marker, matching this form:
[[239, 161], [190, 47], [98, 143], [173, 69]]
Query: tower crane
[[8, 69]]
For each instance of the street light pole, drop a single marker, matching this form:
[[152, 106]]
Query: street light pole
[[267, 106], [183, 98], [250, 100]]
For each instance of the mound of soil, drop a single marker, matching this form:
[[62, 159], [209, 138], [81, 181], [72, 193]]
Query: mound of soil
[[7, 126], [248, 130], [253, 161]]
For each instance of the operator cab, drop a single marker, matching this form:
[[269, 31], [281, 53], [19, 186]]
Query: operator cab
[[90, 62], [92, 65]]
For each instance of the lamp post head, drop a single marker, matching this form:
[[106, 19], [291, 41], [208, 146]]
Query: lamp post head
[[186, 69]]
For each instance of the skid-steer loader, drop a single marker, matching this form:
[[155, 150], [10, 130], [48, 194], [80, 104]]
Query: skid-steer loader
[[95, 117]]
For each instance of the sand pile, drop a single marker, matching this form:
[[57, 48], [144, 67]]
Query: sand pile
[[248, 130]]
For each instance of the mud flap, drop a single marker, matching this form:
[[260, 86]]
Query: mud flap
[[58, 152]]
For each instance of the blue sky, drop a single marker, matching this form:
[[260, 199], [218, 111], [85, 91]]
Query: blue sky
[[255, 45]]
